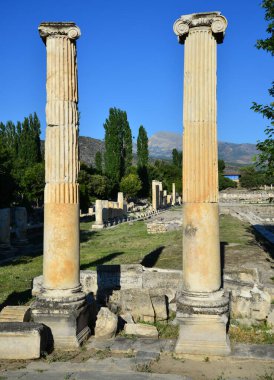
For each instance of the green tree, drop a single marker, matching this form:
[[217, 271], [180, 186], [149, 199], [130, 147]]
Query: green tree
[[19, 153], [221, 166], [142, 147], [251, 178], [126, 137], [142, 160], [224, 182], [98, 162], [265, 159], [177, 158], [118, 146], [29, 149], [32, 183], [98, 186], [130, 185], [7, 184]]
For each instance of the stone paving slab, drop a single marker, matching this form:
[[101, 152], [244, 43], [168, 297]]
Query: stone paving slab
[[126, 345], [91, 375], [108, 368], [253, 351]]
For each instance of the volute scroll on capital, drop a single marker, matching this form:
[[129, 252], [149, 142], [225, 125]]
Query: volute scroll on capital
[[214, 20], [55, 29]]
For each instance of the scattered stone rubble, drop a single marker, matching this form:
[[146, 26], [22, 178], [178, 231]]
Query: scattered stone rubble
[[135, 293]]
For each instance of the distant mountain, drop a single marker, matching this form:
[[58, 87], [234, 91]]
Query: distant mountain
[[88, 147], [161, 145]]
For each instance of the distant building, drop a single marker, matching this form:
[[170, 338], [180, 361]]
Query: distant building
[[234, 175]]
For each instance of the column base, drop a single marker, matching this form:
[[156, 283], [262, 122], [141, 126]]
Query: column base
[[202, 321], [66, 315], [97, 226]]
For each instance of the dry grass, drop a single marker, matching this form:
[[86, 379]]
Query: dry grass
[[257, 334]]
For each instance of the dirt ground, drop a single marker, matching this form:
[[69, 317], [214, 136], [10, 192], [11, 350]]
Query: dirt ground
[[215, 369]]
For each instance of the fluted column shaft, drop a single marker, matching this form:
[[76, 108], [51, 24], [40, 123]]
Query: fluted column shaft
[[201, 247], [61, 269], [201, 257]]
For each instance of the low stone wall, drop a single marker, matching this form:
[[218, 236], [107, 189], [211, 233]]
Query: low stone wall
[[244, 196], [150, 293], [158, 227]]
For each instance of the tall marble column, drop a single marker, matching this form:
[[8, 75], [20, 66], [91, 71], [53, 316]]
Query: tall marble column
[[62, 305], [202, 304]]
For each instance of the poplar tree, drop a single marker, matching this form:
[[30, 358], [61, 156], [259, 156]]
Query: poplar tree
[[142, 160], [98, 162], [127, 145], [142, 147], [118, 145]]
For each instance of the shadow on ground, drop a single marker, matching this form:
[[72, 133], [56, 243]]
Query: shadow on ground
[[263, 242], [86, 235], [101, 261], [151, 258], [17, 298]]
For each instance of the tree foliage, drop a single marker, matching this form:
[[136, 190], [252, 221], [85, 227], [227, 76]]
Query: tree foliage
[[142, 161], [118, 145], [251, 178], [177, 157], [224, 182], [20, 152], [142, 147], [99, 162], [130, 185], [265, 159]]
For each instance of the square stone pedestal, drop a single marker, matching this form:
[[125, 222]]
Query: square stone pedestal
[[69, 322], [97, 226], [202, 334], [23, 340]]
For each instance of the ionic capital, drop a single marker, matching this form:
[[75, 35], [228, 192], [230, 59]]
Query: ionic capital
[[56, 29], [214, 20]]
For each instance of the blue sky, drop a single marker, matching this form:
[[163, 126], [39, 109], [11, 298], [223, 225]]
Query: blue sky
[[128, 57]]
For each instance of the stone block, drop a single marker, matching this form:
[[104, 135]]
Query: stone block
[[37, 284], [5, 227], [159, 304], [23, 340], [127, 276], [141, 330], [69, 322], [242, 275], [170, 293], [15, 314], [138, 303], [202, 334], [270, 317], [88, 280], [161, 278], [106, 324], [260, 304], [240, 304], [20, 224]]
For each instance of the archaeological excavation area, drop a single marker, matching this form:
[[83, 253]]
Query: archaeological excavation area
[[178, 286]]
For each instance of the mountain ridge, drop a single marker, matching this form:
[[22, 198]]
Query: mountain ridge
[[161, 145]]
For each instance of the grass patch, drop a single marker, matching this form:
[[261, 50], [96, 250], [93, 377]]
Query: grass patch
[[131, 244], [256, 334], [167, 331], [124, 244], [267, 376], [233, 230]]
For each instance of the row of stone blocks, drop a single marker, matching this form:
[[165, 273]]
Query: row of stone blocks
[[128, 218]]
